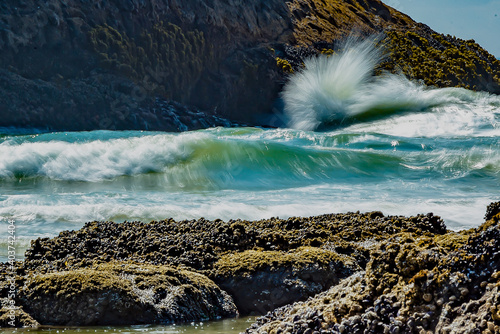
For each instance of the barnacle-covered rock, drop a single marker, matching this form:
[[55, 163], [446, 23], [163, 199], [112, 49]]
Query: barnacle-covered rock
[[413, 283], [261, 281], [199, 244], [277, 261], [492, 210], [124, 294]]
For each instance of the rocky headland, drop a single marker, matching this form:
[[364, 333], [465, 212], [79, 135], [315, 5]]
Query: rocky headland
[[178, 65], [338, 273]]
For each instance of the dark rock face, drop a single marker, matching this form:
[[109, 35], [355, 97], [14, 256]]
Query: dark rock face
[[100, 102], [77, 66], [68, 61]]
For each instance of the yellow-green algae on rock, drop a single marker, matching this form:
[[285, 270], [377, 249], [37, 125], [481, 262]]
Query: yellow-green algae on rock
[[122, 294], [246, 262], [331, 20], [261, 281], [449, 283], [442, 61], [16, 317]]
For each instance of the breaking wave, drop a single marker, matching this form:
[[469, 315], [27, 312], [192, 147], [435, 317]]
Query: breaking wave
[[342, 89]]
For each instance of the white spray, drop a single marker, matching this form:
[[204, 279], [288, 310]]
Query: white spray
[[330, 90]]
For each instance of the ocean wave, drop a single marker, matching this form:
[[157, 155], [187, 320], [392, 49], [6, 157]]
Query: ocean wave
[[341, 89], [239, 158], [93, 160]]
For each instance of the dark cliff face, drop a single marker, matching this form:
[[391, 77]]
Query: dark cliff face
[[61, 29], [82, 65], [85, 65]]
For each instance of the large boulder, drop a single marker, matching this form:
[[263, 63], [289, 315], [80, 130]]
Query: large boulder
[[123, 294], [261, 281]]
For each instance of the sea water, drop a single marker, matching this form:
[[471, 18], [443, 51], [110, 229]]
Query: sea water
[[227, 326], [444, 159], [353, 142]]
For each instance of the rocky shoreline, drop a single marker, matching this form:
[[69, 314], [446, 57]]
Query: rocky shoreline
[[338, 273]]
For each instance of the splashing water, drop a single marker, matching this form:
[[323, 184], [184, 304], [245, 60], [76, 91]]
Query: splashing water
[[341, 89]]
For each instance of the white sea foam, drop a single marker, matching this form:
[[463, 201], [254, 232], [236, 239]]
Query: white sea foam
[[325, 89], [94, 160], [341, 89]]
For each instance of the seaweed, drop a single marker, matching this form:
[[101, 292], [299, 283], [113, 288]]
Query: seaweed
[[284, 65]]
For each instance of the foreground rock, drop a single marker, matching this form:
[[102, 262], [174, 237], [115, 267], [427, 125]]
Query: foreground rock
[[115, 65], [412, 284], [363, 273], [262, 281], [261, 264], [123, 294]]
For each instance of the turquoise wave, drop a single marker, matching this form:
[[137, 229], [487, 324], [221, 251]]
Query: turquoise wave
[[243, 158]]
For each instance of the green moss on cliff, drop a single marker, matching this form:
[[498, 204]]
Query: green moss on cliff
[[442, 61], [165, 60], [330, 20], [284, 65]]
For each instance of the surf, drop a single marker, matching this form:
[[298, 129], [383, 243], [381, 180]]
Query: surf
[[342, 89]]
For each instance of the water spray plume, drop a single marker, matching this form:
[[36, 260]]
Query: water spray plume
[[342, 89]]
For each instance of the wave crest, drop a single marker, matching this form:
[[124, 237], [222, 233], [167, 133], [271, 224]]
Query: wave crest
[[342, 88]]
